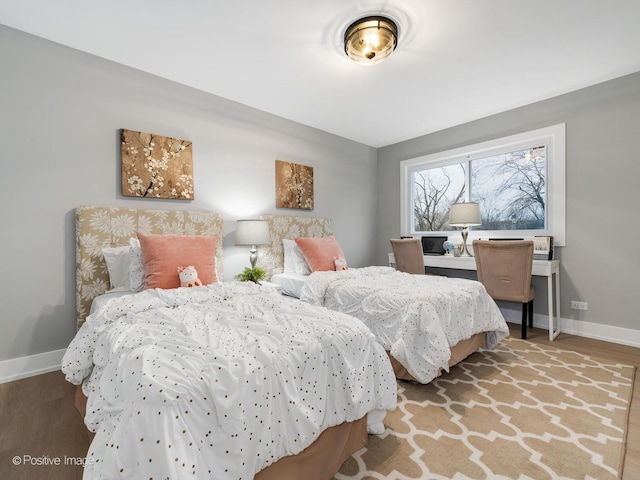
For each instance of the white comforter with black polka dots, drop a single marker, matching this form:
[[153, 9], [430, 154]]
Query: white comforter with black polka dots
[[218, 381], [415, 317]]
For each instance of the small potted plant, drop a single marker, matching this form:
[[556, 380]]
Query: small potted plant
[[254, 274]]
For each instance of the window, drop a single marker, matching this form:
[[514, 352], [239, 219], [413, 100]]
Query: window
[[518, 181]]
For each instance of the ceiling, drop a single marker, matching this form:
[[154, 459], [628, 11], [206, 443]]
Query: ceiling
[[456, 60]]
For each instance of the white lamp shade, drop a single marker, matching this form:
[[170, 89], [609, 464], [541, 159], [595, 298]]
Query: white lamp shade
[[252, 232], [464, 215]]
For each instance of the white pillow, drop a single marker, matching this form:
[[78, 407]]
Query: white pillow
[[117, 260], [294, 261], [136, 267]]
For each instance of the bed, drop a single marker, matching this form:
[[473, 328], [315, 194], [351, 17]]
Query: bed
[[227, 380], [425, 323]]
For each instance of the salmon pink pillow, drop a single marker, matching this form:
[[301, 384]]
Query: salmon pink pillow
[[163, 254], [320, 253]]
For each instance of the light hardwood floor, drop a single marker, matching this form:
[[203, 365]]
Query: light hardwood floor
[[38, 421], [609, 351]]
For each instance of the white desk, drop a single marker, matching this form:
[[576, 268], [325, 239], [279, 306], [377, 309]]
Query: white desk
[[541, 268]]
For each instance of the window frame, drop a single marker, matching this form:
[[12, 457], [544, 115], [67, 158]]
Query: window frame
[[554, 137]]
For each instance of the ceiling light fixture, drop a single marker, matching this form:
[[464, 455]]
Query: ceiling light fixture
[[370, 40]]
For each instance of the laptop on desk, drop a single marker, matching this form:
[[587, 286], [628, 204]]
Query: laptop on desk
[[433, 245]]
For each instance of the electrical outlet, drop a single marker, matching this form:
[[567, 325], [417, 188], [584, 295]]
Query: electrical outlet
[[579, 305]]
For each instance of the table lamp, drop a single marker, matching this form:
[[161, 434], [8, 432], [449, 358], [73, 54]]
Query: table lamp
[[465, 215], [254, 233]]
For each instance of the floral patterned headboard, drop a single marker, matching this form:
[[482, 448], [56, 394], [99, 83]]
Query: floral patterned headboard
[[98, 227], [271, 257]]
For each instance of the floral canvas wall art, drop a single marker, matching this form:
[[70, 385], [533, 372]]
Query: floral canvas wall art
[[154, 166], [294, 185]]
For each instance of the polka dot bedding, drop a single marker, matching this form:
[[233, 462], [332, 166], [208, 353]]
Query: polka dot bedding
[[219, 381], [415, 317]]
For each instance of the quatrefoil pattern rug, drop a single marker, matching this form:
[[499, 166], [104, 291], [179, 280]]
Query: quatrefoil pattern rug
[[521, 411]]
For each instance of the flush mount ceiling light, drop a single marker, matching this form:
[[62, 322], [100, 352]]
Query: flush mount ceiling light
[[370, 40]]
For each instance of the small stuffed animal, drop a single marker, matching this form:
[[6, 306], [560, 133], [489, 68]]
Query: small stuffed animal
[[340, 263], [189, 277]]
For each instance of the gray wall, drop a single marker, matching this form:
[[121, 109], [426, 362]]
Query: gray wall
[[62, 109], [61, 113], [600, 263]]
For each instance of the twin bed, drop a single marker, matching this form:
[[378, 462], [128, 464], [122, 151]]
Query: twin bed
[[234, 377], [231, 380], [426, 323]]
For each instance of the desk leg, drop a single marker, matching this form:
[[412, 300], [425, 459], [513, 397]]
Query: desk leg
[[557, 277], [553, 332]]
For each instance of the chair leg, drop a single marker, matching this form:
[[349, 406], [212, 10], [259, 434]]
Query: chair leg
[[531, 314], [524, 321]]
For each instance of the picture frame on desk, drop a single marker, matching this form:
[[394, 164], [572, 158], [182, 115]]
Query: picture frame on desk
[[542, 247]]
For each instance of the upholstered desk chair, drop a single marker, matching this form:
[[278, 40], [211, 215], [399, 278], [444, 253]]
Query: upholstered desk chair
[[408, 255], [504, 268]]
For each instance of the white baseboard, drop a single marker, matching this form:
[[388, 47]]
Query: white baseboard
[[24, 367], [606, 333]]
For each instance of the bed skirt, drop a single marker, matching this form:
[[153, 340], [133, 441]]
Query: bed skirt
[[319, 461], [459, 352]]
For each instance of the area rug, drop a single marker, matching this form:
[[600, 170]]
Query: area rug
[[520, 411]]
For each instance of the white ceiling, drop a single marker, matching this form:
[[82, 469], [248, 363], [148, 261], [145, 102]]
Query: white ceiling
[[456, 60]]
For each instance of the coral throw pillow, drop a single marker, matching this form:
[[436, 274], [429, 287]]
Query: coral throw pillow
[[320, 252], [163, 254]]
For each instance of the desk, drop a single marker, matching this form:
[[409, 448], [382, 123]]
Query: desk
[[541, 268]]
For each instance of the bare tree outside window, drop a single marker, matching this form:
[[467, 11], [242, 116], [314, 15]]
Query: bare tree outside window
[[510, 188], [435, 190]]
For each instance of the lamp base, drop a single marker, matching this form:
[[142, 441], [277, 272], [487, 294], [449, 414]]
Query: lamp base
[[465, 251], [253, 256]]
